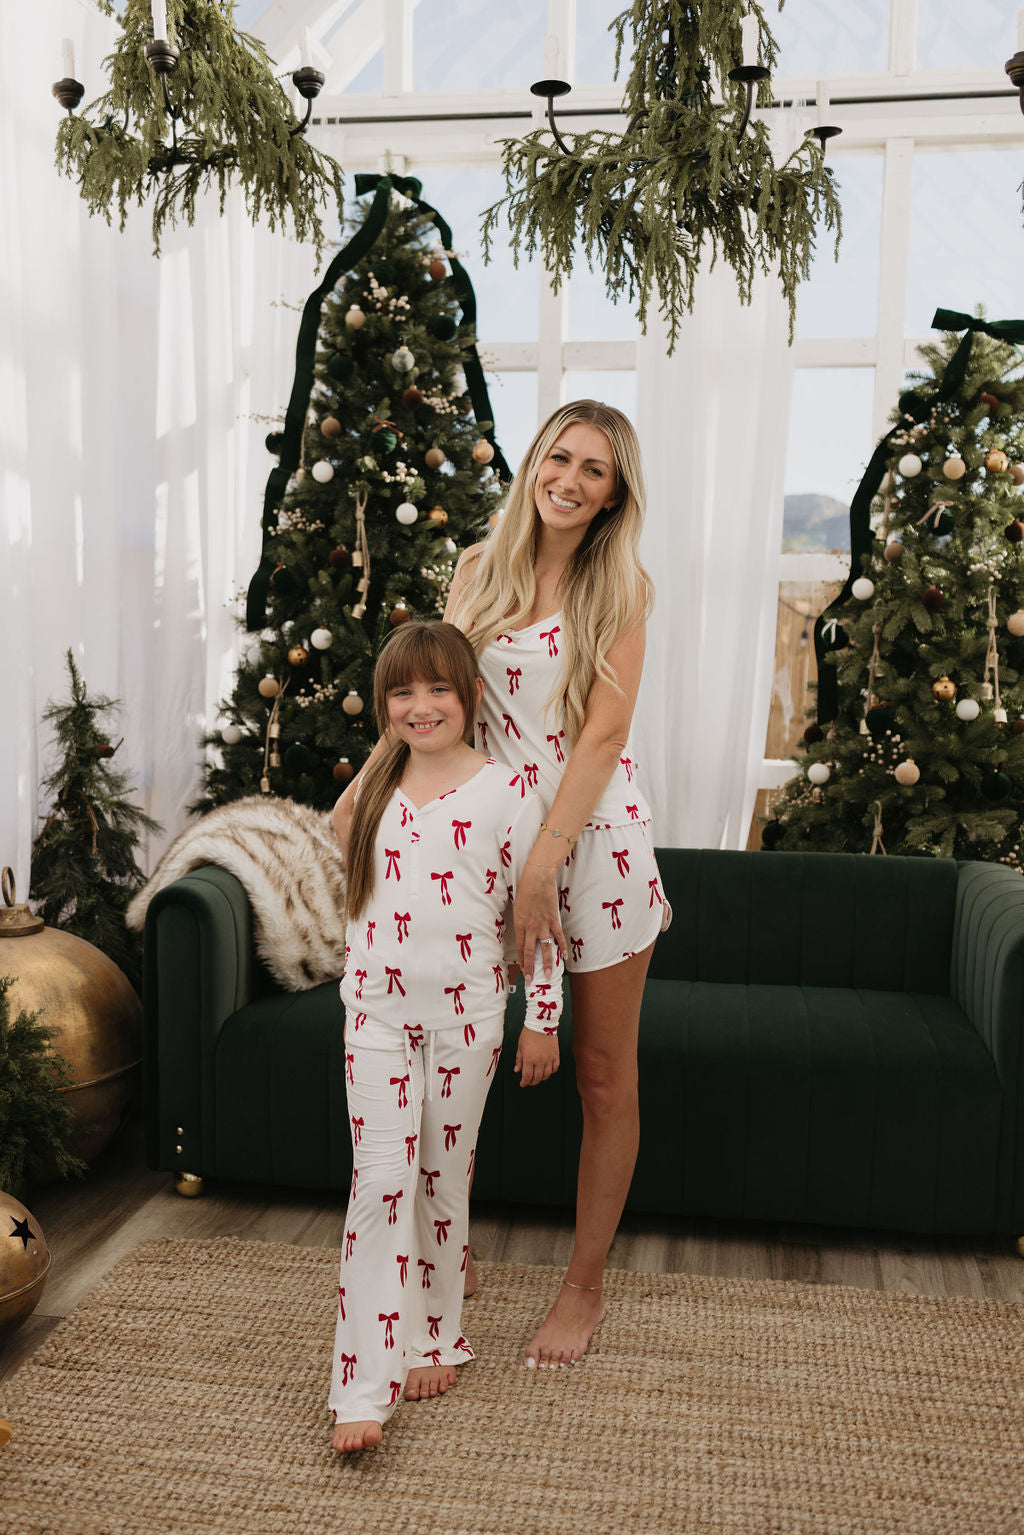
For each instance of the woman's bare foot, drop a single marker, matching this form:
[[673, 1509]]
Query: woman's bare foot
[[472, 1279], [429, 1380], [563, 1336], [356, 1436]]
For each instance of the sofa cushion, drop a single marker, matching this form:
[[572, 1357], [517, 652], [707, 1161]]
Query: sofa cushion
[[808, 919], [813, 1103]]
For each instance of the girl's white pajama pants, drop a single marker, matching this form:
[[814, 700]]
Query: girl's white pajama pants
[[415, 1099]]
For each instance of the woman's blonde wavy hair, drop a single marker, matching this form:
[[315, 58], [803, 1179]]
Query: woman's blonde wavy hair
[[419, 651], [605, 589]]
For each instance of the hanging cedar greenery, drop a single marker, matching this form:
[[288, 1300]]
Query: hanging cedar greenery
[[235, 125], [681, 187]]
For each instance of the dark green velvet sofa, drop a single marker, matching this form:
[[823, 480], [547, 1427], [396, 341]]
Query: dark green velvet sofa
[[826, 1038]]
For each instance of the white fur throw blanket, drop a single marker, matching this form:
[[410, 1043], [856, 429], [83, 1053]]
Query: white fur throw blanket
[[287, 858]]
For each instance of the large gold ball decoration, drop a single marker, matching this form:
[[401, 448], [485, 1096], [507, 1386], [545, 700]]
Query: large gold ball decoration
[[943, 689], [94, 1011], [996, 461], [352, 703], [298, 655], [482, 451], [268, 686], [438, 516], [24, 1264]]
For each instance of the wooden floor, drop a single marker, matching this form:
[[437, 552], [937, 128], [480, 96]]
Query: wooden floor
[[89, 1225]]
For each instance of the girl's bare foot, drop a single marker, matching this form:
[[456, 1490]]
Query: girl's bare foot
[[563, 1336], [429, 1380], [472, 1279], [356, 1436]]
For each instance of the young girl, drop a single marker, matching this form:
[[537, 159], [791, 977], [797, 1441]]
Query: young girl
[[438, 836]]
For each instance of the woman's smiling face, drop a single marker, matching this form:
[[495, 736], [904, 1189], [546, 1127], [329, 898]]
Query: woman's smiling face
[[576, 479]]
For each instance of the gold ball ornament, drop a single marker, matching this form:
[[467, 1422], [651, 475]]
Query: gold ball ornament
[[268, 686], [438, 516], [954, 468], [355, 318], [996, 461], [434, 458], [352, 703], [907, 773], [944, 689], [298, 655], [330, 426], [483, 452], [24, 1264], [93, 1009]]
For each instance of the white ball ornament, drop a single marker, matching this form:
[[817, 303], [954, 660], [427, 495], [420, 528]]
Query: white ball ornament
[[323, 471], [231, 735], [954, 468], [402, 360], [355, 318], [1015, 623], [863, 588], [451, 546], [406, 513], [321, 639], [909, 465], [907, 773], [819, 772], [968, 709]]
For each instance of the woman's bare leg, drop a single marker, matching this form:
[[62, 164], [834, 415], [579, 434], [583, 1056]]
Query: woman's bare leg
[[605, 1024]]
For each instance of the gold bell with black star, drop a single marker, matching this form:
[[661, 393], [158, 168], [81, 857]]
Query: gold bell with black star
[[24, 1264]]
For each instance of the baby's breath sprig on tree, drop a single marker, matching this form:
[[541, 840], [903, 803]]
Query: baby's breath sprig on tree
[[235, 127], [650, 206]]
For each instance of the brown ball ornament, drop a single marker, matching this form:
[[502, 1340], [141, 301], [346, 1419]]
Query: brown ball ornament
[[298, 655], [996, 461], [1015, 532], [339, 557], [330, 426], [893, 551], [412, 397], [343, 771], [954, 468], [438, 516], [932, 599], [352, 703], [434, 458], [24, 1264], [944, 689], [268, 686], [399, 614], [104, 749], [1018, 725], [482, 451], [437, 269]]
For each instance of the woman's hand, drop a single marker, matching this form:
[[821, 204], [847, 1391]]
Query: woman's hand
[[535, 914]]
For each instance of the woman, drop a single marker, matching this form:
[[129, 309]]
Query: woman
[[555, 603]]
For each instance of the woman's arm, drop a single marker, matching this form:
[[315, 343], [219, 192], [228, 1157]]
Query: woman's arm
[[587, 773]]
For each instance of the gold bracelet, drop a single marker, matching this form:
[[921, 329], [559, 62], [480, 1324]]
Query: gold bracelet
[[571, 840]]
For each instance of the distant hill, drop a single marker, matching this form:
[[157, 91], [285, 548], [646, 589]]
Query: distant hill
[[815, 523]]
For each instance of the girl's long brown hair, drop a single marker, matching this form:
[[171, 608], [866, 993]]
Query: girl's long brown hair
[[419, 651]]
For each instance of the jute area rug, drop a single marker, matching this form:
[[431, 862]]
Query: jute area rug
[[186, 1397]]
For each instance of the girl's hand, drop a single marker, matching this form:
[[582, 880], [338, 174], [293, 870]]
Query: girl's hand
[[536, 1057], [535, 914]]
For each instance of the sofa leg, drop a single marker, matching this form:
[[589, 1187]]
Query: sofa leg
[[188, 1185]]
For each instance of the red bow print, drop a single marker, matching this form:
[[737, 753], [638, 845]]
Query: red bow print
[[392, 854], [563, 900], [481, 725], [402, 920], [349, 1058], [388, 1318], [495, 1057], [556, 743], [634, 812], [410, 1148], [393, 1200], [348, 1368], [460, 829], [519, 782], [350, 1242], [428, 1187], [510, 725], [394, 979], [549, 635], [370, 929], [499, 979], [401, 1083], [577, 948], [464, 940], [532, 772], [455, 992], [360, 978], [622, 860], [441, 1228], [613, 907], [341, 1301], [446, 899], [406, 815], [627, 763], [652, 885], [492, 875], [402, 1260], [434, 1325], [545, 1009], [461, 1343], [449, 1136], [514, 674], [448, 1072], [428, 1269], [358, 1022], [469, 1034], [357, 1129], [465, 1256], [396, 1391]]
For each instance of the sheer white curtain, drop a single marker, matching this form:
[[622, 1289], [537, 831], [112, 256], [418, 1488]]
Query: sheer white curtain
[[713, 422], [131, 470]]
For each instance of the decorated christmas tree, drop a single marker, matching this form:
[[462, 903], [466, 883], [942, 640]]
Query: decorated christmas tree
[[84, 870], [388, 469], [918, 742]]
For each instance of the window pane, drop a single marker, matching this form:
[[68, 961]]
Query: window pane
[[475, 43], [945, 39], [595, 45], [964, 235], [840, 298], [592, 314], [831, 36], [514, 402], [828, 450], [611, 388], [506, 296]]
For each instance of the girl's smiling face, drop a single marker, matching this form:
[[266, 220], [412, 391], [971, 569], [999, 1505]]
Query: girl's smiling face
[[428, 716], [576, 480]]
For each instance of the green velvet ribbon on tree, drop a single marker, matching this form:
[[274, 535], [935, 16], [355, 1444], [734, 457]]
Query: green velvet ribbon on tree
[[360, 244], [1011, 331]]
